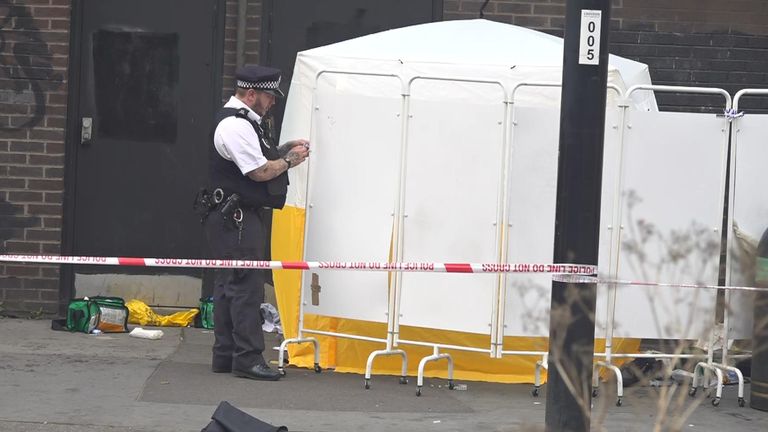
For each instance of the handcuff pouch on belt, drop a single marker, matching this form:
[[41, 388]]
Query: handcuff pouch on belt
[[205, 201]]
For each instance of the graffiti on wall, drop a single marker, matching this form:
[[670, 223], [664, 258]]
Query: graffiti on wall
[[25, 66]]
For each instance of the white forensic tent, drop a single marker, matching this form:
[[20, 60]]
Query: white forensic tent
[[347, 98]]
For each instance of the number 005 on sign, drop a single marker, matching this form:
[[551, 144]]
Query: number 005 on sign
[[589, 43]]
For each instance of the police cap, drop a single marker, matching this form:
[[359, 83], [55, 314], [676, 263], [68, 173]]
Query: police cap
[[262, 78]]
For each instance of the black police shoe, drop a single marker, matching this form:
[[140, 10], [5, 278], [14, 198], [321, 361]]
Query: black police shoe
[[258, 372], [221, 369]]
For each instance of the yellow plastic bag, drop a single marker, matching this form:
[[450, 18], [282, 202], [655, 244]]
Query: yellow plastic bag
[[140, 313]]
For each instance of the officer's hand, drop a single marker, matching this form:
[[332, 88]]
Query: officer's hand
[[297, 154], [295, 143]]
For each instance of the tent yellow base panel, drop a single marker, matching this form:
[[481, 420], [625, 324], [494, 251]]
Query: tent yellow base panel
[[351, 355]]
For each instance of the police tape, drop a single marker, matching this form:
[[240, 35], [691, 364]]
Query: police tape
[[585, 279], [573, 269]]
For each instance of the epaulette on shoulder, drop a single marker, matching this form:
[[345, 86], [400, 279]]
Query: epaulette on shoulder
[[242, 113]]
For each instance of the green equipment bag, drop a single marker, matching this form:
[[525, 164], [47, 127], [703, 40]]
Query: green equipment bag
[[106, 314], [205, 318], [82, 315]]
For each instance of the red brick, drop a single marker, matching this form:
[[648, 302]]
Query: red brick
[[25, 197], [513, 8], [51, 248], [52, 222], [58, 111], [55, 122], [46, 185], [13, 158], [57, 98], [19, 246], [54, 148], [14, 108], [57, 24], [50, 12], [49, 272], [54, 173], [46, 134], [556, 10], [48, 160], [25, 172], [44, 209], [22, 270], [16, 134], [9, 183], [27, 146]]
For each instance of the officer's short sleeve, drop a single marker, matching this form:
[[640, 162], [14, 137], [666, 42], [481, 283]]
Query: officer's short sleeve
[[236, 140]]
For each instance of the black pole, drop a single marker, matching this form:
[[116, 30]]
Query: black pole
[[577, 217]]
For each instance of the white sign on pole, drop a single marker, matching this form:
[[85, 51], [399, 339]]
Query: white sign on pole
[[589, 44]]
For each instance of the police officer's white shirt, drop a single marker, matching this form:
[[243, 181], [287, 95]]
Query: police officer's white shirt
[[236, 141]]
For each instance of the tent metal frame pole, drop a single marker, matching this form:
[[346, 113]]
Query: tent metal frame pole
[[397, 246], [613, 260]]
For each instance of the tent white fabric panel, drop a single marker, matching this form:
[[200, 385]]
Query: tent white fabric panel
[[750, 215], [531, 210], [672, 215], [532, 201], [452, 186], [352, 190]]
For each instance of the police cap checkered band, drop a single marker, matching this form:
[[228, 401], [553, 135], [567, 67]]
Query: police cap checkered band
[[267, 85], [259, 78]]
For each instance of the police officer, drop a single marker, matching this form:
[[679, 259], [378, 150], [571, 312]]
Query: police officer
[[250, 176]]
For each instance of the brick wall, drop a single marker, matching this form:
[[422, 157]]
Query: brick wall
[[34, 47], [252, 45], [708, 43], [704, 43]]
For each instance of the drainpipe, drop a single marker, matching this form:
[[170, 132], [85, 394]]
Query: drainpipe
[[242, 7]]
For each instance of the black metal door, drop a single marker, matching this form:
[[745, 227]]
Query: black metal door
[[144, 94], [291, 26]]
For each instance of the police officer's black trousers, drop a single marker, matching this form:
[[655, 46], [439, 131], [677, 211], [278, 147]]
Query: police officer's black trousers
[[238, 293]]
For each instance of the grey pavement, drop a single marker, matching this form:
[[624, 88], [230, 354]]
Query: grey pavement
[[65, 382]]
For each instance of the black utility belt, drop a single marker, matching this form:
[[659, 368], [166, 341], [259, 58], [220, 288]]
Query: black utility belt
[[220, 198], [230, 206]]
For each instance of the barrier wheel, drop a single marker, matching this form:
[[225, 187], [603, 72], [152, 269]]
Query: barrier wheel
[[716, 401], [692, 391], [595, 392], [403, 380], [450, 385], [619, 402], [318, 369], [282, 371], [535, 392], [741, 402], [367, 384], [418, 391]]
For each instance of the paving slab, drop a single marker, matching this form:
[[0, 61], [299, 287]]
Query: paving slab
[[60, 382]]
